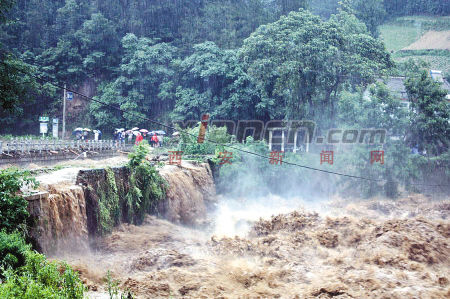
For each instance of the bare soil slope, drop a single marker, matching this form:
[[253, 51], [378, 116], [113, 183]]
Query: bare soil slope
[[432, 40]]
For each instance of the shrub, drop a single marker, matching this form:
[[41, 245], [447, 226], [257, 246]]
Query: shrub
[[139, 155], [147, 187], [189, 145], [109, 203], [13, 207], [39, 278], [113, 288], [13, 250]]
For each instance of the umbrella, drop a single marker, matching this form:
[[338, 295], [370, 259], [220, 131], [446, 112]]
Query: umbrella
[[143, 131], [160, 132], [86, 129], [120, 130], [78, 129], [135, 129], [128, 132], [136, 133], [176, 134]]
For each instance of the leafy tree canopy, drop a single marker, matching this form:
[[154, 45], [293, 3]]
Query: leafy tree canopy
[[430, 114], [300, 63]]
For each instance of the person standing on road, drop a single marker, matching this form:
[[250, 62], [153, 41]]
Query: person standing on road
[[155, 140], [116, 136], [160, 140], [139, 139]]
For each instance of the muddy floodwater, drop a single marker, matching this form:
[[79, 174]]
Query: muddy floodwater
[[340, 249]]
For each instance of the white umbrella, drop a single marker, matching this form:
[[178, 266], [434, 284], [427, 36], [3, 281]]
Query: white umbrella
[[120, 130], [136, 133], [86, 129], [78, 129], [143, 131], [176, 134], [135, 129]]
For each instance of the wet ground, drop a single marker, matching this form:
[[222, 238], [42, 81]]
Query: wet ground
[[371, 249]]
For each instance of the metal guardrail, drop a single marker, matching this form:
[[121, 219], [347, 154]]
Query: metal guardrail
[[28, 146]]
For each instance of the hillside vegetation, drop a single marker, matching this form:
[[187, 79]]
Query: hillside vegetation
[[161, 59], [412, 31]]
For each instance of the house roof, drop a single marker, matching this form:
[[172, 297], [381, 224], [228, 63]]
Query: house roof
[[437, 76], [396, 85]]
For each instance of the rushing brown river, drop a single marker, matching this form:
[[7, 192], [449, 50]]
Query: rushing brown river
[[368, 249], [209, 246]]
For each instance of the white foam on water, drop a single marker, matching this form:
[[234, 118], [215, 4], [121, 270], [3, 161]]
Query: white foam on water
[[235, 216]]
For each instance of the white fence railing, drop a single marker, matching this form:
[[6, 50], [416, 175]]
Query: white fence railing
[[24, 146]]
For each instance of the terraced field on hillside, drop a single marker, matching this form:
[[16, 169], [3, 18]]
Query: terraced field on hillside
[[419, 37]]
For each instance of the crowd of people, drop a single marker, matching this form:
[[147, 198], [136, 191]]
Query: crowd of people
[[83, 134], [155, 138]]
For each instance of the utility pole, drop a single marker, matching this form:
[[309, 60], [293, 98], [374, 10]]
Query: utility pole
[[64, 113]]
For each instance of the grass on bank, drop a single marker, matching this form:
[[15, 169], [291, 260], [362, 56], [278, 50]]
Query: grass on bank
[[396, 37]]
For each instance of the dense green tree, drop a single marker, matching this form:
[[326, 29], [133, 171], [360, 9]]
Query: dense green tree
[[283, 7], [145, 66], [5, 6], [411, 7], [29, 25], [70, 17], [213, 81], [63, 62], [226, 22], [99, 46], [371, 12], [77, 42], [276, 73], [430, 114], [377, 109], [15, 83], [324, 8], [300, 63], [13, 206]]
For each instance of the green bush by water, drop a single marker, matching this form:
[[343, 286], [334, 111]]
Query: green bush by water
[[13, 207], [13, 250], [147, 187], [189, 145], [109, 203], [28, 274]]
